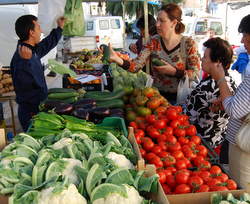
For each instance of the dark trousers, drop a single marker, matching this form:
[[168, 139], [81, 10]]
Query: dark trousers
[[25, 113], [171, 97]]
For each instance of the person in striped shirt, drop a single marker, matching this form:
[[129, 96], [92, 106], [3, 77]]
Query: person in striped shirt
[[237, 106]]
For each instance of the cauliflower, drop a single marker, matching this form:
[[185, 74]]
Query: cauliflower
[[120, 160], [70, 195], [133, 197]]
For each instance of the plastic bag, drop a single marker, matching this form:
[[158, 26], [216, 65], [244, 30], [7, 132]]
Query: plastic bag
[[183, 90], [243, 136], [48, 13], [74, 25], [60, 68]]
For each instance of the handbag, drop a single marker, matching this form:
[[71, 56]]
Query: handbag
[[243, 135]]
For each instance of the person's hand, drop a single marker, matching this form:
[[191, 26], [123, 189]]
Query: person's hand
[[216, 105], [133, 48], [217, 71], [61, 22], [25, 52], [167, 69]]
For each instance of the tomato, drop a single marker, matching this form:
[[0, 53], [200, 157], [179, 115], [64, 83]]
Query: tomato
[[222, 177], [202, 150], [187, 161], [163, 154], [204, 165], [167, 172], [205, 175], [154, 133], [231, 184], [174, 147], [150, 156], [177, 108], [160, 124], [154, 103], [163, 145], [133, 124], [213, 182], [195, 139], [183, 140], [147, 143], [156, 161], [138, 139], [175, 123], [160, 110], [182, 188], [168, 131], [166, 188], [139, 132], [162, 177], [169, 161], [181, 177], [215, 170], [149, 128], [172, 169], [219, 188], [202, 188], [161, 138], [142, 126], [192, 145], [179, 132], [171, 139], [195, 181], [180, 164], [191, 130], [150, 118], [143, 152], [171, 113], [156, 149], [189, 154], [178, 154], [148, 92], [170, 180]]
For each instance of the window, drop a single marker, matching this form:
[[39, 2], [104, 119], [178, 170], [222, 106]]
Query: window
[[90, 25], [104, 24], [115, 24], [201, 28], [187, 28], [216, 27]]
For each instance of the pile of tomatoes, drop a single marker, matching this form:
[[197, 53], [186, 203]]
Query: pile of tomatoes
[[169, 141]]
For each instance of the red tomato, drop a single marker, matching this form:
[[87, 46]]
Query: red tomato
[[160, 124], [149, 128], [174, 147], [183, 140], [182, 188], [202, 150], [171, 139], [161, 138], [195, 181], [175, 123], [162, 177], [205, 175], [215, 170], [143, 152], [222, 177], [154, 133], [168, 131], [151, 119], [147, 143], [157, 162], [180, 164], [156, 149], [163, 154], [177, 108], [181, 177], [171, 113], [189, 154], [163, 145], [197, 160], [169, 161], [187, 161], [213, 182], [138, 139], [172, 169], [179, 132], [204, 165], [181, 118], [178, 154], [167, 172], [139, 132], [191, 130], [195, 139], [150, 156], [170, 180], [219, 188], [166, 188], [133, 124], [142, 125], [202, 188], [231, 185]]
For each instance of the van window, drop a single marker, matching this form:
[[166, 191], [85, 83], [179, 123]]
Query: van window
[[115, 24], [104, 24], [216, 27], [201, 28], [187, 28], [90, 25]]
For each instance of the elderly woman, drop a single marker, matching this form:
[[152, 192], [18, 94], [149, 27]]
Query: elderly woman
[[211, 121], [237, 107], [178, 54]]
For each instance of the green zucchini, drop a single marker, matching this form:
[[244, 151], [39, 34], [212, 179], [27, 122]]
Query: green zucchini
[[107, 97], [62, 95], [94, 94], [70, 100], [115, 103], [106, 53], [157, 62], [60, 90]]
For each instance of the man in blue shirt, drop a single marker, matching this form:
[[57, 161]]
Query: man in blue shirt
[[26, 67]]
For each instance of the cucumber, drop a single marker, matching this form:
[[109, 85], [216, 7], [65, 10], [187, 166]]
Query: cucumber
[[157, 62], [115, 103], [60, 90], [106, 53], [108, 96], [93, 94], [62, 95], [70, 100]]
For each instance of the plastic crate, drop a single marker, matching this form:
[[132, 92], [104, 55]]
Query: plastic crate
[[115, 122]]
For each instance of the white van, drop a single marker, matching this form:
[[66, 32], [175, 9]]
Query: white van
[[8, 38], [106, 29]]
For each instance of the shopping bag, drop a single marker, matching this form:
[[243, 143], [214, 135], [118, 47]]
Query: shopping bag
[[243, 135], [74, 25], [48, 13], [183, 90]]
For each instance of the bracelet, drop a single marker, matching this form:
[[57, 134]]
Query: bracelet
[[220, 80]]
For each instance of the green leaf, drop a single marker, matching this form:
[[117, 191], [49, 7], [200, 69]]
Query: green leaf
[[120, 176], [148, 184]]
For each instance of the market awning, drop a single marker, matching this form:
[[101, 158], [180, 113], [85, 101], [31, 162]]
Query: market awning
[[5, 2]]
